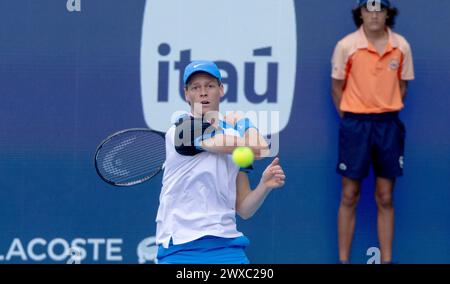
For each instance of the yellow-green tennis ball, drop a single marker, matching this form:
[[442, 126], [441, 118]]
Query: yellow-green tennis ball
[[243, 156]]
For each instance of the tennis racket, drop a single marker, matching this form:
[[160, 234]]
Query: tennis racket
[[131, 156]]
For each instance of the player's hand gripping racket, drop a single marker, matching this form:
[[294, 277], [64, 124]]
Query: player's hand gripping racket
[[130, 156]]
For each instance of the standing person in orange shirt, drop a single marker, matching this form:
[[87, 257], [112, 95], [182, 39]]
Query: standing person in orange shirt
[[370, 71]]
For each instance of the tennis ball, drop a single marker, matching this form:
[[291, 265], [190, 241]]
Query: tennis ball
[[243, 156]]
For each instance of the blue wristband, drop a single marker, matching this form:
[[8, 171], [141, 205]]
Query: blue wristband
[[243, 125]]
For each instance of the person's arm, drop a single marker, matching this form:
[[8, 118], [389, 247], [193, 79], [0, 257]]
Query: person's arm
[[340, 67], [249, 201], [254, 138], [403, 89], [225, 144], [407, 68], [193, 136], [337, 89], [251, 135]]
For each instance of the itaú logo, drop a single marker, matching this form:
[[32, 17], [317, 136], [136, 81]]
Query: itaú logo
[[253, 42]]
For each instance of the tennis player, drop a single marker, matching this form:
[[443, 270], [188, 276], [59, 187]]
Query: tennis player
[[202, 188], [370, 71]]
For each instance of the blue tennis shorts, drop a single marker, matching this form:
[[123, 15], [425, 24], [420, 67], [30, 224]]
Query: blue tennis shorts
[[206, 250], [371, 139]]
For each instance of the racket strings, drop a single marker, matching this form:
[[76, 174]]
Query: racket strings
[[133, 158], [146, 174], [136, 167], [135, 170], [143, 164]]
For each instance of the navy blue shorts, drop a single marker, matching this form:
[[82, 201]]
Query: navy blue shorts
[[371, 139]]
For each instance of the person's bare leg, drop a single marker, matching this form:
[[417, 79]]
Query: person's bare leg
[[347, 216], [383, 196]]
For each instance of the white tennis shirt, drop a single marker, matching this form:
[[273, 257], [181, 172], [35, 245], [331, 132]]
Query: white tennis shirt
[[198, 196]]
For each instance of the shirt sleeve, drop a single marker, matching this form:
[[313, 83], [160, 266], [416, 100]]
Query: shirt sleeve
[[407, 70], [189, 133], [338, 62]]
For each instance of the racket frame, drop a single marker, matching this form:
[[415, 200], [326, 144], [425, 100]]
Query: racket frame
[[107, 139]]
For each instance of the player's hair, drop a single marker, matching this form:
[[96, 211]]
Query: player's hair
[[392, 12]]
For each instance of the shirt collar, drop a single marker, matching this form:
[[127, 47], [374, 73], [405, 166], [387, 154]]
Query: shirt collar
[[363, 43]]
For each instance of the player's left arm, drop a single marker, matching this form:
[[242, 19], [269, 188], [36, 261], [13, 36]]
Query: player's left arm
[[248, 201], [406, 72], [403, 89]]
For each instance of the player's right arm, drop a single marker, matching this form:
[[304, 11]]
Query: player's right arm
[[403, 89], [250, 137], [249, 132], [193, 136], [337, 89], [225, 144], [339, 63]]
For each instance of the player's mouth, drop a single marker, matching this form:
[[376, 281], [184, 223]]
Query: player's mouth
[[205, 102]]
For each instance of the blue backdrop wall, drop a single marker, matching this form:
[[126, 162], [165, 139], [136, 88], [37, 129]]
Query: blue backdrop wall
[[68, 79]]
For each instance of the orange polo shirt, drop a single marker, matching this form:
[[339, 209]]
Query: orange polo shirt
[[372, 81]]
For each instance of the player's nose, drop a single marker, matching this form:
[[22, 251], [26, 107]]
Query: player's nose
[[203, 92]]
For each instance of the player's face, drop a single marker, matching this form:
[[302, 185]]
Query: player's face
[[203, 92], [374, 21]]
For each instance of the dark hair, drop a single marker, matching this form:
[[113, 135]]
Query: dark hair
[[392, 12]]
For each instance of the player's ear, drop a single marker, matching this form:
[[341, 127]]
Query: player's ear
[[186, 97], [222, 90]]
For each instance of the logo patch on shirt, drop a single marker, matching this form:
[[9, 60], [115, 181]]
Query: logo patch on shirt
[[394, 64]]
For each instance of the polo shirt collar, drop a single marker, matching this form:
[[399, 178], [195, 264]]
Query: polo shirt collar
[[363, 43]]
